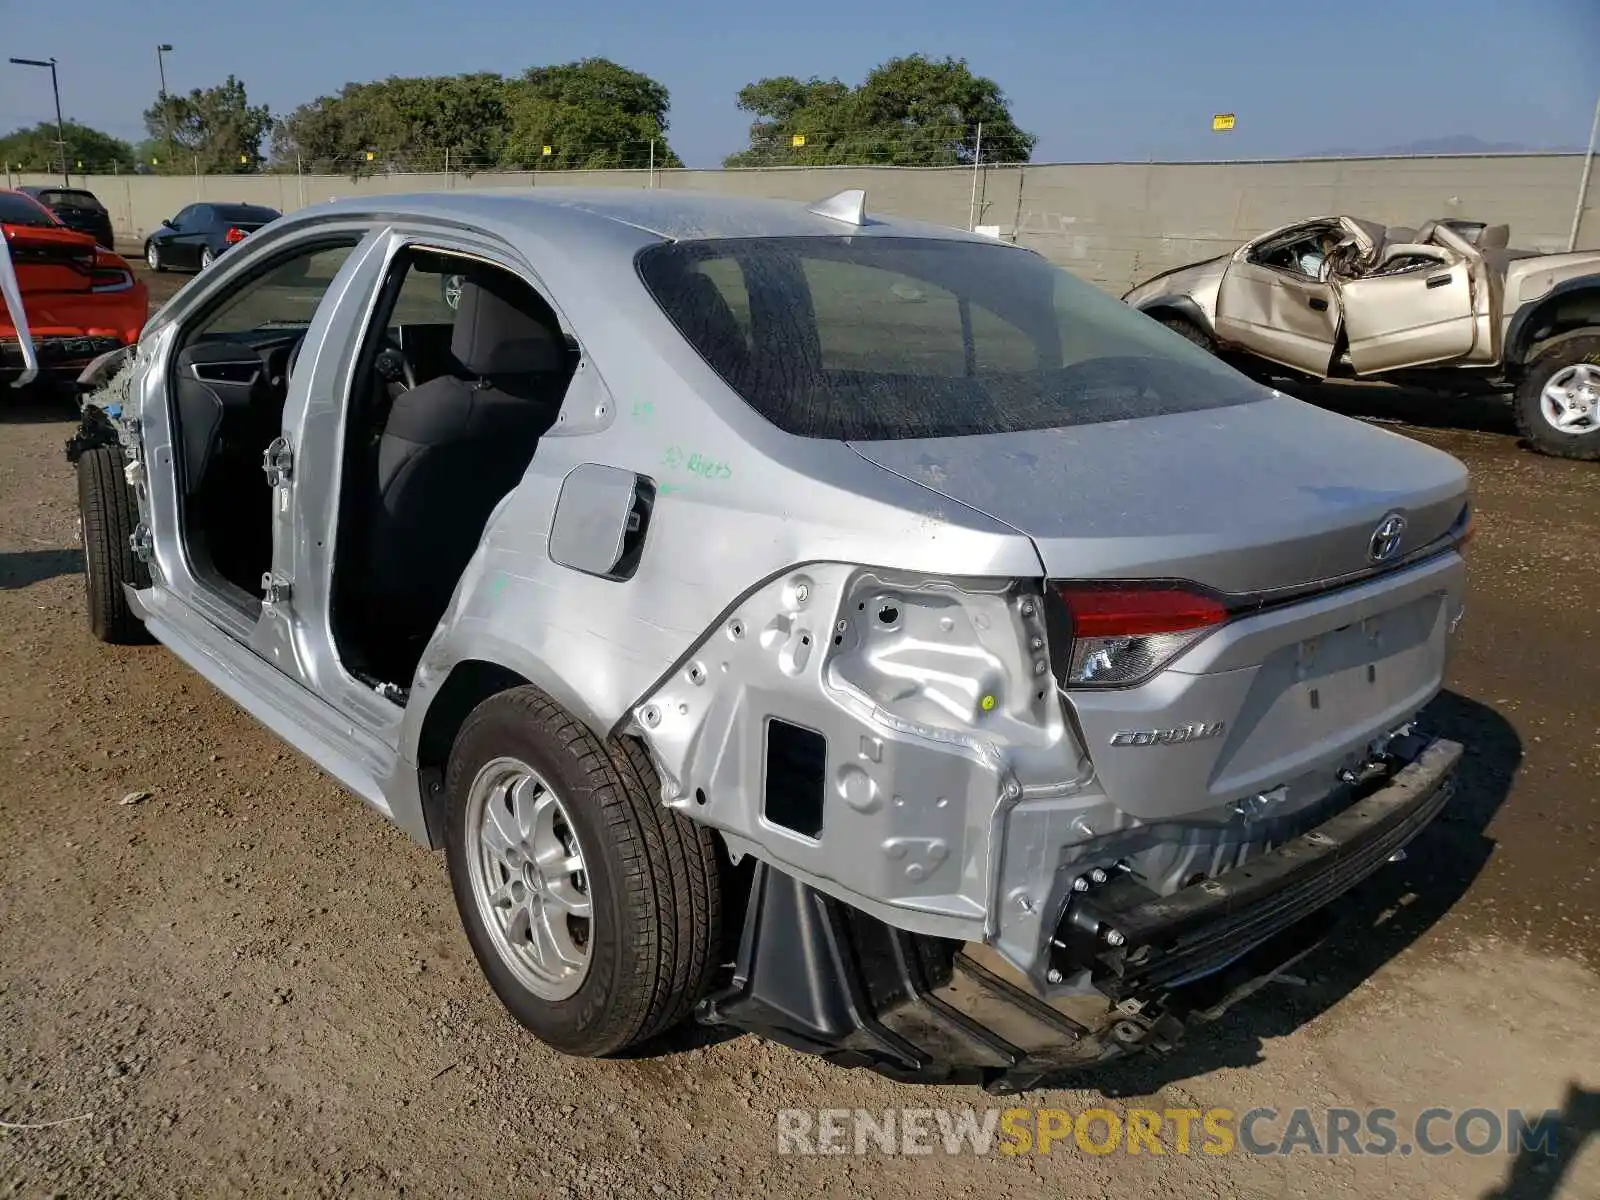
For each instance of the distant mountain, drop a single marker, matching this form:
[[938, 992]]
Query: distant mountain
[[1457, 143]]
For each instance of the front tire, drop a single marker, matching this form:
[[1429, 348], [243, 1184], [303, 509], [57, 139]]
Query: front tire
[[594, 911], [1189, 331], [1557, 402], [108, 513], [152, 257]]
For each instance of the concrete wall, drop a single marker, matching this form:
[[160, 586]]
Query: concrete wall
[[1113, 223]]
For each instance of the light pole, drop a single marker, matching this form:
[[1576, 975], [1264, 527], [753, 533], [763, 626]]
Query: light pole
[[61, 136], [164, 48], [1583, 184]]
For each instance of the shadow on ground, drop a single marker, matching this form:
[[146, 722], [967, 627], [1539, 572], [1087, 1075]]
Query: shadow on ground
[[1474, 412], [1539, 1168], [22, 568], [36, 404]]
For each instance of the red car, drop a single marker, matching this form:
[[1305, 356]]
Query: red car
[[68, 297]]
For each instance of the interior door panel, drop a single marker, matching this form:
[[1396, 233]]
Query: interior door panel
[[228, 394]]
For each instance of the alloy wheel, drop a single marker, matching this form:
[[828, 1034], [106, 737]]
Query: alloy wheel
[[528, 878], [1570, 400]]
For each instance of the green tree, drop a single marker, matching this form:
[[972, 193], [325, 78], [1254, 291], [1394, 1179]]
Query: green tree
[[35, 149], [404, 123], [592, 114], [212, 130], [911, 111]]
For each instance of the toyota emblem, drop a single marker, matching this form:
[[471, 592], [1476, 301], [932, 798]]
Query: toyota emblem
[[1385, 542]]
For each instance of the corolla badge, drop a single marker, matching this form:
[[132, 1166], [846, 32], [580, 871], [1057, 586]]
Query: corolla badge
[[1198, 732], [1385, 541]]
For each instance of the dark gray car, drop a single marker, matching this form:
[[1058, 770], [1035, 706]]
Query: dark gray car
[[78, 208]]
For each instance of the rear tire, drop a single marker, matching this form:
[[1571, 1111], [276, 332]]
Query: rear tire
[[1562, 384], [206, 258], [109, 513], [647, 877]]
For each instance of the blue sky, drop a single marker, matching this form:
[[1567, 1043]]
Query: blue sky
[[1095, 79]]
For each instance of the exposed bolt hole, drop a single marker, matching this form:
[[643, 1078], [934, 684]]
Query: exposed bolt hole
[[805, 639], [838, 639], [1040, 696], [888, 614], [861, 606], [700, 796]]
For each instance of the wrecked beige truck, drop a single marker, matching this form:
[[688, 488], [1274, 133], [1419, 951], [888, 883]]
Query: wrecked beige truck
[[1439, 306]]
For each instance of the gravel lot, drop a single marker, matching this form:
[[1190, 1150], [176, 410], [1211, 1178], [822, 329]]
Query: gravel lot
[[245, 983]]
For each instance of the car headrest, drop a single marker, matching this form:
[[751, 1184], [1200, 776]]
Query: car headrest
[[495, 335], [1495, 237], [711, 325], [1425, 232]]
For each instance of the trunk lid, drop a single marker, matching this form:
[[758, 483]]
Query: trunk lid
[[1251, 498], [51, 259]]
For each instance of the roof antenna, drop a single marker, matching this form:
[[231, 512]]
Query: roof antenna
[[849, 206]]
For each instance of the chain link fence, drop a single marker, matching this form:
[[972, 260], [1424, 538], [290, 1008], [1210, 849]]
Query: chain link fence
[[1113, 223]]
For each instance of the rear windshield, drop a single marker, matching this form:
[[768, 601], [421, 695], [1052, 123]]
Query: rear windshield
[[886, 338], [17, 209], [244, 212], [66, 199]]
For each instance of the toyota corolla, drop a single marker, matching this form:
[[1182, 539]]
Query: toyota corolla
[[848, 629]]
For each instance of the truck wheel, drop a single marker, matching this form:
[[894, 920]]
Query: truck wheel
[[595, 912], [108, 514], [1558, 401], [1187, 329]]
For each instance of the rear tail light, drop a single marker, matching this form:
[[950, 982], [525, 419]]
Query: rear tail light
[[1122, 633], [234, 234], [110, 279]]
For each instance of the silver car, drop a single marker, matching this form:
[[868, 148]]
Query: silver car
[[851, 630]]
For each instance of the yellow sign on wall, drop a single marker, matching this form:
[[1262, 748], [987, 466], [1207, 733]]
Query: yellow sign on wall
[[798, 139], [1222, 121], [371, 155], [546, 151]]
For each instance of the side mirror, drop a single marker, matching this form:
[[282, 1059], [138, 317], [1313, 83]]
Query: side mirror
[[166, 223]]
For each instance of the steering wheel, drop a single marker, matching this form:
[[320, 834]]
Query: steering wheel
[[393, 366]]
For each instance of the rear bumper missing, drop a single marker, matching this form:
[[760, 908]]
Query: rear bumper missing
[[821, 976]]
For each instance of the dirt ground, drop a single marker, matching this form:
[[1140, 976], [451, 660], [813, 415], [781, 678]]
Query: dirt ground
[[247, 984]]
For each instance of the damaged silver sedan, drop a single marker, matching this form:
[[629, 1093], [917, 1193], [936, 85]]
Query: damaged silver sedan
[[855, 631]]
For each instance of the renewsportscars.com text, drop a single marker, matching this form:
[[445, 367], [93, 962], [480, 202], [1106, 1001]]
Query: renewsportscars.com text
[[1256, 1131]]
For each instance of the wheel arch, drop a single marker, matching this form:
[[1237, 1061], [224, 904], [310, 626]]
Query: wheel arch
[[444, 710], [1561, 310], [1178, 306]]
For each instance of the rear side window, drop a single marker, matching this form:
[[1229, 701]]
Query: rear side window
[[887, 338], [66, 199], [17, 209], [244, 212]]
